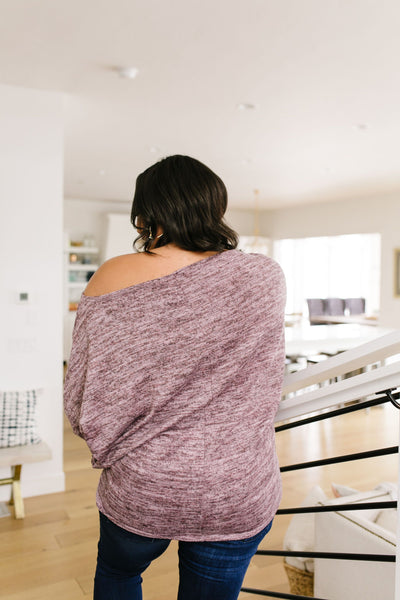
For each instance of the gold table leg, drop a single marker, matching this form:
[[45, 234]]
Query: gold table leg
[[16, 496]]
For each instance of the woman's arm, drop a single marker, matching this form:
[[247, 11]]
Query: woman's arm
[[75, 378]]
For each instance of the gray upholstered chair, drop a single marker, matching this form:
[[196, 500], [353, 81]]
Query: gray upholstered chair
[[355, 306], [334, 306], [316, 307]]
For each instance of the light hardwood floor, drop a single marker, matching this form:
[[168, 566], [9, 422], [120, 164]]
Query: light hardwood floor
[[51, 553]]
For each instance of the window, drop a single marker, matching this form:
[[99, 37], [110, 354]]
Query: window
[[345, 266]]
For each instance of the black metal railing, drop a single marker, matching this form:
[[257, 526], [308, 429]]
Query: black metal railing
[[278, 594], [385, 396]]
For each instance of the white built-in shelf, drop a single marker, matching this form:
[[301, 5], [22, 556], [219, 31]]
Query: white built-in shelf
[[82, 267], [78, 269], [77, 284], [82, 250]]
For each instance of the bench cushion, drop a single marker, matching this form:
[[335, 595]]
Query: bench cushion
[[20, 455]]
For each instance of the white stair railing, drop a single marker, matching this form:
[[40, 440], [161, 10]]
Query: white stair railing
[[323, 386], [383, 376]]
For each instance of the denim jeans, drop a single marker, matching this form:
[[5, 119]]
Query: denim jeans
[[207, 570]]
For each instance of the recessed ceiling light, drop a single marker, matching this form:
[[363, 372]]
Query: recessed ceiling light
[[245, 106], [128, 72]]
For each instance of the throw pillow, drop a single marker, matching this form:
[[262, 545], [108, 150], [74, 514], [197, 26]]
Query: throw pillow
[[18, 418]]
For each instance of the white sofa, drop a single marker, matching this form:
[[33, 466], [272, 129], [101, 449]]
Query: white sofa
[[357, 531]]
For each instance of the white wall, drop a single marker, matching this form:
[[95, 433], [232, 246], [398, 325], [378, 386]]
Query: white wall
[[31, 182], [242, 221], [367, 215], [120, 236]]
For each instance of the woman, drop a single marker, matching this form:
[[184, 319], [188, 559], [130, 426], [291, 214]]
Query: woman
[[174, 381]]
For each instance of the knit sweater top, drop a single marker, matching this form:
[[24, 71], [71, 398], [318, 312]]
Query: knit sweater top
[[174, 384]]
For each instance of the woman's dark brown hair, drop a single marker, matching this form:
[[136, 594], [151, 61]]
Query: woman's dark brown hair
[[184, 199]]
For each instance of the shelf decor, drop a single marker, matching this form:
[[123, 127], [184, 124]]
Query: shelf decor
[[81, 261]]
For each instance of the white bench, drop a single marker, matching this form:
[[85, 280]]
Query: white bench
[[16, 457]]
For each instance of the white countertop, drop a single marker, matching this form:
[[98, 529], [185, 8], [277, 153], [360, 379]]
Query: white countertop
[[304, 338]]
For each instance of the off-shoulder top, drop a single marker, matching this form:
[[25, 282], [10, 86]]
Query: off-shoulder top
[[174, 384]]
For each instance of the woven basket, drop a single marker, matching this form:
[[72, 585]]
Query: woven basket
[[301, 582]]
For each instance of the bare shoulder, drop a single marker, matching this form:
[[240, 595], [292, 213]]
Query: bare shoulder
[[131, 269], [114, 274]]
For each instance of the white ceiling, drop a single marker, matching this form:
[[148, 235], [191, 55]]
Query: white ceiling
[[324, 77]]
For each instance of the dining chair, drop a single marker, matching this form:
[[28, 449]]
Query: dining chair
[[355, 306], [316, 307], [334, 306]]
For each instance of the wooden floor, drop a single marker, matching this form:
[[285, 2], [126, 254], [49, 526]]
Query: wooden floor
[[51, 553]]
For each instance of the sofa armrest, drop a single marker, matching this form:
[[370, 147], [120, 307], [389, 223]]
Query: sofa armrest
[[353, 580]]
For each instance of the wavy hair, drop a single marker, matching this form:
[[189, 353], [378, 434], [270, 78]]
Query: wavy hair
[[185, 200]]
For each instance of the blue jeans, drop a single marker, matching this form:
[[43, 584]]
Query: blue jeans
[[207, 570]]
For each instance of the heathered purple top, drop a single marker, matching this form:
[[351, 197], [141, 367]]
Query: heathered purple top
[[174, 384]]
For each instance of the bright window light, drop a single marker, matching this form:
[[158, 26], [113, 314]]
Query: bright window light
[[345, 266]]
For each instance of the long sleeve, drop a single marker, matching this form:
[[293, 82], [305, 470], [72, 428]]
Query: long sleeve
[[75, 378]]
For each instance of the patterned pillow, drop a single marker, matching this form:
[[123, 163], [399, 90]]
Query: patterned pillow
[[18, 418]]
